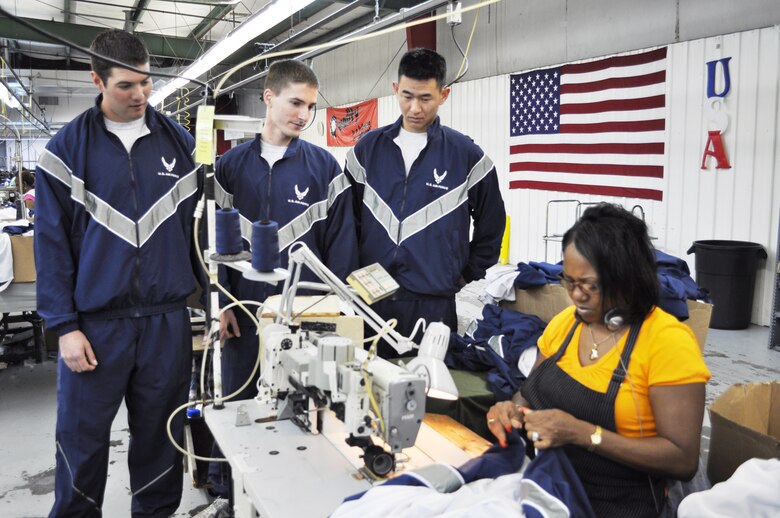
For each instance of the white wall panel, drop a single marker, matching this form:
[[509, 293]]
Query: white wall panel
[[741, 203]]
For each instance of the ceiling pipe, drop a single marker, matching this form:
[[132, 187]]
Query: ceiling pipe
[[404, 14], [27, 92], [316, 25], [44, 127]]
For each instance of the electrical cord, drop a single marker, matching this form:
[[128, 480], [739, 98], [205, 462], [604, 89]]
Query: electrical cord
[[465, 62], [235, 303], [224, 76], [337, 43], [403, 44], [204, 401]]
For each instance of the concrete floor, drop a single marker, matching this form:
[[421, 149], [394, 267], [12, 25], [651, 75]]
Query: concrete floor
[[28, 411]]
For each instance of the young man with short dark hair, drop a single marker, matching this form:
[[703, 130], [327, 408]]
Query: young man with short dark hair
[[116, 192], [418, 186], [280, 177]]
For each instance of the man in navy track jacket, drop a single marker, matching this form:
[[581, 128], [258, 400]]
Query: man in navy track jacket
[[277, 176], [418, 186], [116, 193]]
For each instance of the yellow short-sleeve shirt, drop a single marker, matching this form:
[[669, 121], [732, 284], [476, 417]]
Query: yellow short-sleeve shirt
[[666, 353]]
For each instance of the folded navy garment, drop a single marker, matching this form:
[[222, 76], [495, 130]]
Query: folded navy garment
[[550, 271], [676, 285], [16, 230], [537, 274], [495, 345]]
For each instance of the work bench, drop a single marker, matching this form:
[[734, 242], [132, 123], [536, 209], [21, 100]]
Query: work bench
[[281, 471], [18, 305]]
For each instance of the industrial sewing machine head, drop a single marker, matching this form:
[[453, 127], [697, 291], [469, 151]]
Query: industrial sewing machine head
[[305, 376]]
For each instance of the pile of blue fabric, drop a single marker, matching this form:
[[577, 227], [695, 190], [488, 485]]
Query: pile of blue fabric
[[676, 285], [537, 274], [494, 344], [17, 230], [674, 279]]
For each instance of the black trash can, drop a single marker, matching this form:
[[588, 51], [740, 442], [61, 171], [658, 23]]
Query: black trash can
[[727, 269]]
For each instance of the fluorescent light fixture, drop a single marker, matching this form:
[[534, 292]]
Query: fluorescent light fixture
[[257, 24]]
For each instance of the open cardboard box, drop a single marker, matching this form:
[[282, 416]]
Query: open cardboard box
[[322, 311], [547, 301], [24, 259], [745, 424]]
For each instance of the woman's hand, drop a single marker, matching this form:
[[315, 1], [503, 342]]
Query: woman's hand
[[504, 416], [552, 428]]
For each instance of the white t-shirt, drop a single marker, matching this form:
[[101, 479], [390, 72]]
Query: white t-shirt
[[271, 153], [411, 145], [128, 132]]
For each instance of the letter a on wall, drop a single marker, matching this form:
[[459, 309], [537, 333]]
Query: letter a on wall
[[714, 148]]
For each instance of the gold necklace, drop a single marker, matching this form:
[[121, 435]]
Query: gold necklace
[[594, 351]]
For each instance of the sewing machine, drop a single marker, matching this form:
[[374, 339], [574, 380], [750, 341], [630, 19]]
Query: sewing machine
[[304, 377], [329, 420]]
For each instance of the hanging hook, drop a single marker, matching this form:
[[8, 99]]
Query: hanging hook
[[376, 11]]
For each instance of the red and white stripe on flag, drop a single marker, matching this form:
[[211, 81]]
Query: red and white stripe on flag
[[591, 128]]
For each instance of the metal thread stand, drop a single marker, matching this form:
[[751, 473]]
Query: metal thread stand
[[556, 235]]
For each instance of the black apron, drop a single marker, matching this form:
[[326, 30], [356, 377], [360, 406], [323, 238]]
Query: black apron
[[613, 488]]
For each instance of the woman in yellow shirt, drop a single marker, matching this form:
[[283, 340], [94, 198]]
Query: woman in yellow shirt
[[618, 383]]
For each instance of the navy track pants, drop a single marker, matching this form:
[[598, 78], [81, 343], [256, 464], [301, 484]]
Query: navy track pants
[[147, 362]]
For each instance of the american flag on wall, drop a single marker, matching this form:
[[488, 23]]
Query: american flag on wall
[[591, 128]]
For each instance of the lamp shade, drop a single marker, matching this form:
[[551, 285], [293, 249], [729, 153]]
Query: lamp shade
[[437, 377], [429, 362]]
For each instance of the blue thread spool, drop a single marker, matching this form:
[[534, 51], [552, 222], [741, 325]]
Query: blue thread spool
[[228, 227], [265, 245]]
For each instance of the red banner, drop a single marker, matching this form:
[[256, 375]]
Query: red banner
[[346, 125]]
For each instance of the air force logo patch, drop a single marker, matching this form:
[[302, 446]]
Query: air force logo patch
[[438, 178]]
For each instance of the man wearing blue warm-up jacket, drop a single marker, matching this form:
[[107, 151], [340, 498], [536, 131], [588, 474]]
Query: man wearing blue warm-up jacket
[[279, 177], [418, 186], [116, 192]]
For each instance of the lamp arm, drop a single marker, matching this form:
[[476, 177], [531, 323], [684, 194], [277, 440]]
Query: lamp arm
[[300, 256]]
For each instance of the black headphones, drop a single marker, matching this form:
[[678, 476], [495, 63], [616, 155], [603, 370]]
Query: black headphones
[[613, 320]]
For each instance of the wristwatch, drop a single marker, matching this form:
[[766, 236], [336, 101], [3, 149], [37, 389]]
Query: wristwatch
[[595, 439]]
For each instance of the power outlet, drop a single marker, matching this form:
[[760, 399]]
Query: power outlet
[[454, 16]]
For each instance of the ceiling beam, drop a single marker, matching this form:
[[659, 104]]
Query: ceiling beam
[[133, 17], [66, 9], [82, 35], [211, 20]]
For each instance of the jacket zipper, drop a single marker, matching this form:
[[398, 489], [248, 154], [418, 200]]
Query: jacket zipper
[[401, 218], [135, 295], [268, 194]]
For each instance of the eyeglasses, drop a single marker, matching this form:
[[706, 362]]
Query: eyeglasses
[[586, 287]]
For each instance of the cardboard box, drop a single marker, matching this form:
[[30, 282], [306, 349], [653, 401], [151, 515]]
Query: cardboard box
[[318, 309], [699, 314], [24, 259], [544, 301], [547, 301], [745, 424]]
